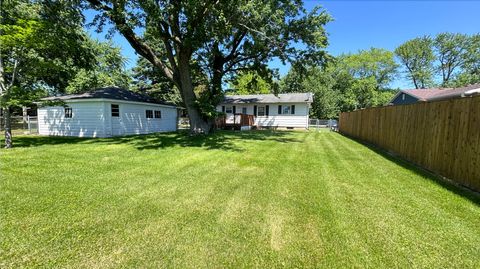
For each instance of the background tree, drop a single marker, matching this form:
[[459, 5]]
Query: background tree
[[108, 69], [448, 60], [372, 71], [470, 69], [326, 99], [38, 55], [451, 52], [222, 37], [148, 79], [349, 82], [417, 58], [378, 64], [10, 62], [250, 82]]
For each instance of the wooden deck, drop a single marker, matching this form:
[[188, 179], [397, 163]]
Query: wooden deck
[[235, 121]]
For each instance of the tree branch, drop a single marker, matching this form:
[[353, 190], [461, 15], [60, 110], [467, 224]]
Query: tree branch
[[241, 59], [2, 78], [235, 44], [137, 44], [174, 21], [168, 47], [14, 74]]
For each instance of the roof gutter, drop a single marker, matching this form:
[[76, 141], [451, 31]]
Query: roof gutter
[[80, 100], [472, 92]]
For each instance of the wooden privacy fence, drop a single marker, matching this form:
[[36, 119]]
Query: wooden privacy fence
[[441, 136]]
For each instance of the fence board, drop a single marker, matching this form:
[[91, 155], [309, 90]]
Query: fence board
[[442, 136]]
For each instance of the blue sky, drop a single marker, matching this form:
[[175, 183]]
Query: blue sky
[[381, 24]]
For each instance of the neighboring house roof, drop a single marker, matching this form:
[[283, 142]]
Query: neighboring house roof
[[269, 98], [113, 93], [457, 92], [439, 93], [423, 94]]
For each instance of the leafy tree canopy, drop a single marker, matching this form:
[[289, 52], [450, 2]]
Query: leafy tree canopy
[[417, 57], [108, 70], [451, 50], [250, 82], [148, 79], [446, 60], [470, 68], [376, 63], [349, 82], [37, 52], [39, 55]]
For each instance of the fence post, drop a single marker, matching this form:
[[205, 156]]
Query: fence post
[[29, 125], [24, 116]]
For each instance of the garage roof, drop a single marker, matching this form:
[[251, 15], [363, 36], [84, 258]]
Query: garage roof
[[114, 93]]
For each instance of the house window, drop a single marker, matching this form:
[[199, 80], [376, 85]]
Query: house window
[[261, 111], [68, 112], [244, 110], [229, 109], [403, 96], [158, 114], [115, 110], [286, 109], [149, 114]]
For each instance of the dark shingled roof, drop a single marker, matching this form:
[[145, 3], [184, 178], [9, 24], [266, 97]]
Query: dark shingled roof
[[269, 98], [113, 93]]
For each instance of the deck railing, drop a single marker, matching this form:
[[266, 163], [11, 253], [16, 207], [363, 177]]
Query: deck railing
[[234, 120]]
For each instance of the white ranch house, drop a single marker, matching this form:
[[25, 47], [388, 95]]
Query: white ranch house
[[288, 110], [106, 112]]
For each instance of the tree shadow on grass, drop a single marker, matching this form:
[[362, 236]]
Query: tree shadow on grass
[[35, 141], [452, 186], [220, 140]]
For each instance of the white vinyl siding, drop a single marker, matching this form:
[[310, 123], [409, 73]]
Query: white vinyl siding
[[133, 119], [87, 120], [94, 119]]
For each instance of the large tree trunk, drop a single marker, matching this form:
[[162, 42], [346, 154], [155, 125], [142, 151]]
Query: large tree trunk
[[198, 125], [8, 128]]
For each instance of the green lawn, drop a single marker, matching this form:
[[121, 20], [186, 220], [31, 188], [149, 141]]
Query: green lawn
[[250, 199]]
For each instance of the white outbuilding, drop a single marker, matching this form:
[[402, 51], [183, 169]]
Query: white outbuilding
[[105, 112]]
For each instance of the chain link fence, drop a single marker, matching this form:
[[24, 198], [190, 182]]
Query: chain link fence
[[316, 124], [27, 125]]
